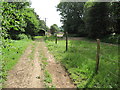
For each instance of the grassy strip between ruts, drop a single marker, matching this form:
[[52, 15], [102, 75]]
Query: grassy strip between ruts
[[10, 56], [32, 52], [47, 76], [80, 62]]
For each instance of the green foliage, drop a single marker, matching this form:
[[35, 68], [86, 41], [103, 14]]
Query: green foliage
[[80, 60], [18, 18], [53, 29], [22, 36], [48, 80], [43, 25], [33, 23], [90, 19], [12, 21], [112, 39], [115, 17], [47, 77], [72, 13], [96, 19]]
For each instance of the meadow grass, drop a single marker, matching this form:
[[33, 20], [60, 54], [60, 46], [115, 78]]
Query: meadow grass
[[10, 56], [80, 61], [36, 37]]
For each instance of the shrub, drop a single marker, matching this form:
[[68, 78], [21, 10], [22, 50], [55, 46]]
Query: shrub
[[112, 39], [22, 36]]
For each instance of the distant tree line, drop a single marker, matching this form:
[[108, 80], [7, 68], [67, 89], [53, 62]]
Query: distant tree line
[[91, 19]]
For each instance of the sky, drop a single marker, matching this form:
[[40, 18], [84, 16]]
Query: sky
[[47, 9]]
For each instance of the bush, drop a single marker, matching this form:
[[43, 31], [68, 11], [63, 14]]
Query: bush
[[112, 39], [22, 36]]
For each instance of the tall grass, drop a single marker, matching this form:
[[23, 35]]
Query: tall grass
[[80, 62]]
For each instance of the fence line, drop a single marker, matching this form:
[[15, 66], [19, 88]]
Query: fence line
[[97, 55], [112, 73], [112, 61]]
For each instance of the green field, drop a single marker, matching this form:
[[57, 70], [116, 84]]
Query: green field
[[10, 55], [80, 61]]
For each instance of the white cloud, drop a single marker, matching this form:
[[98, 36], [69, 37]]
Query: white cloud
[[47, 9]]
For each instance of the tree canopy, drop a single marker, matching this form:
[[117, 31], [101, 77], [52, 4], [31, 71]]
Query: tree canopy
[[18, 18], [90, 19], [72, 14], [54, 28]]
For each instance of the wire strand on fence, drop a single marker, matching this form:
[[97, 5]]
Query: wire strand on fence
[[111, 61], [112, 73]]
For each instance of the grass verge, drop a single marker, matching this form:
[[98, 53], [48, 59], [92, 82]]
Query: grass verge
[[10, 56], [80, 60]]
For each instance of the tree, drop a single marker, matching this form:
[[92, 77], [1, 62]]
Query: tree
[[53, 29], [72, 14], [33, 23], [18, 18], [96, 19], [12, 20], [115, 17]]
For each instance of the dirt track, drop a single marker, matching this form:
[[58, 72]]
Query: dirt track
[[27, 72], [59, 77]]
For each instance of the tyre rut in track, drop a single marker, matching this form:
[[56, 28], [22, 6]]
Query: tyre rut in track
[[60, 78], [26, 72]]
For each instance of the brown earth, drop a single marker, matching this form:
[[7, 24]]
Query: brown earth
[[27, 72]]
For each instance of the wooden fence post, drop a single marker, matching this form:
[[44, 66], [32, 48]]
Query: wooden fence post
[[97, 56], [56, 38], [66, 41]]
